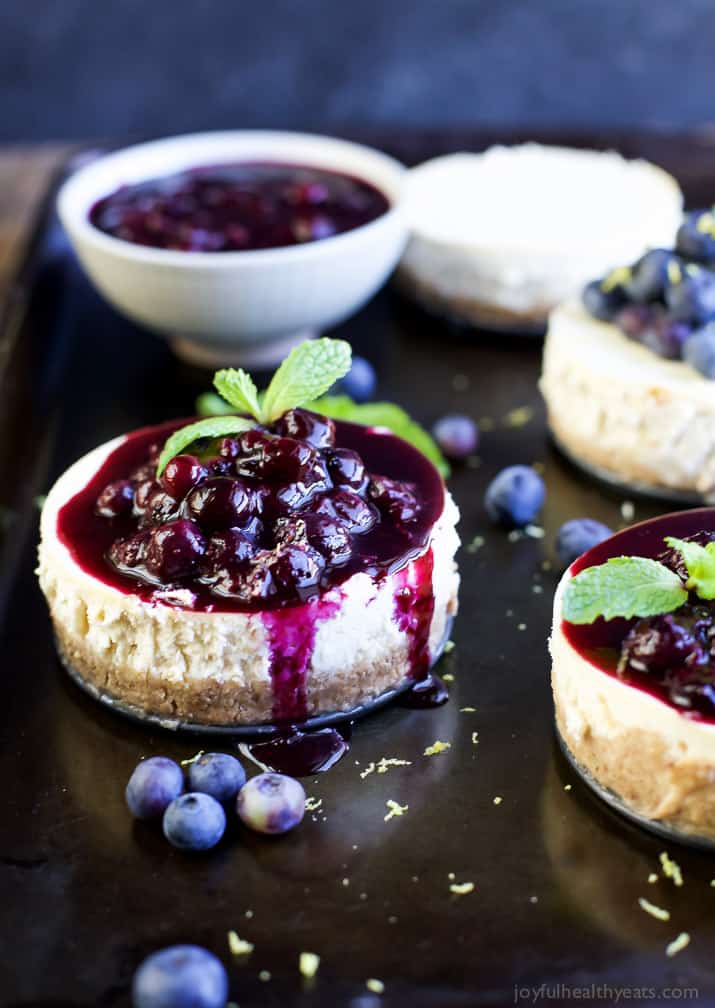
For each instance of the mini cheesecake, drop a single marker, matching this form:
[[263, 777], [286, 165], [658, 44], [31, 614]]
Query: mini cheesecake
[[497, 239], [635, 698], [292, 571]]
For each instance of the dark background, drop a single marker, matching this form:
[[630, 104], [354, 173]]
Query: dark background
[[78, 69]]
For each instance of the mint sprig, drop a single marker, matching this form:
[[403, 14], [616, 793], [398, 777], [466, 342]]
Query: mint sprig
[[622, 586], [211, 427], [308, 371], [341, 407], [700, 564]]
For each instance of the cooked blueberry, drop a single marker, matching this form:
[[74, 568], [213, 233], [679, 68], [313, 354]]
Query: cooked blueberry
[[456, 435], [271, 803], [699, 350], [181, 976], [181, 474], [228, 549], [394, 498], [603, 302], [304, 425], [651, 275], [695, 694], [219, 465], [578, 535], [352, 510], [217, 774], [360, 381], [174, 550], [660, 643], [219, 503], [143, 492], [691, 298], [515, 496], [346, 469], [330, 537], [116, 499], [284, 498], [194, 821], [696, 236], [229, 448], [296, 568], [153, 785], [129, 552]]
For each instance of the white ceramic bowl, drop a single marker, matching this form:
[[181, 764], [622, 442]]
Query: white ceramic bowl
[[250, 306]]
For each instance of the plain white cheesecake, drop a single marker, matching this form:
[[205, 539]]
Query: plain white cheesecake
[[616, 406], [166, 659], [499, 238]]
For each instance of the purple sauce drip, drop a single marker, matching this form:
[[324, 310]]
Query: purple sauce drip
[[600, 642], [301, 754], [414, 608], [427, 693], [291, 637], [238, 207]]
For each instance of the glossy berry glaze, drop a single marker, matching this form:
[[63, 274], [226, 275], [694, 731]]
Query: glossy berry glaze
[[272, 522], [672, 656], [238, 207]]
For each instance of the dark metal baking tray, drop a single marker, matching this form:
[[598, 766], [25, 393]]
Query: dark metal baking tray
[[86, 893]]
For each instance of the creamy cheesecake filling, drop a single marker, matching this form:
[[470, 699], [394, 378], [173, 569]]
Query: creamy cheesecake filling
[[152, 647]]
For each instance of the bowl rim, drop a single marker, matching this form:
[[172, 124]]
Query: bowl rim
[[73, 205]]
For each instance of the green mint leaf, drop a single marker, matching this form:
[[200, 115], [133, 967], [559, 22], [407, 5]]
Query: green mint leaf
[[210, 404], [383, 414], [211, 427], [623, 586], [307, 373], [700, 565], [239, 389]]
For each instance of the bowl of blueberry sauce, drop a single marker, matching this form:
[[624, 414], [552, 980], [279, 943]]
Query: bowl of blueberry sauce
[[237, 245]]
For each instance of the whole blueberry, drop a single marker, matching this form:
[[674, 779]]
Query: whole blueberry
[[651, 275], [602, 300], [692, 297], [271, 803], [181, 976], [194, 821], [153, 785], [218, 775], [699, 350], [696, 236], [360, 381], [578, 535], [515, 496], [456, 435]]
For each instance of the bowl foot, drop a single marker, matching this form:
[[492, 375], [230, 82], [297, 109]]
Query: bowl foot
[[261, 354]]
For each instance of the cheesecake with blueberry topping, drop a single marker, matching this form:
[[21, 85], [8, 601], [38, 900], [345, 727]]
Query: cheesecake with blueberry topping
[[628, 370], [294, 567], [633, 668]]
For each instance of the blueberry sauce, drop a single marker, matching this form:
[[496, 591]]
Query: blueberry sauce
[[428, 692], [300, 753], [238, 207], [672, 656], [273, 521]]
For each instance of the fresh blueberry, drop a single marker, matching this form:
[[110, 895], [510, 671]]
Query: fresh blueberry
[[194, 822], [634, 320], [691, 298], [699, 350], [665, 337], [696, 236], [271, 803], [360, 381], [218, 775], [651, 275], [153, 785], [456, 435], [515, 496], [578, 535], [181, 976], [603, 300]]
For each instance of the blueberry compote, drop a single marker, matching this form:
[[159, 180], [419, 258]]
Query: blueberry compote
[[671, 656], [237, 207], [272, 521]]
